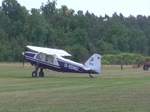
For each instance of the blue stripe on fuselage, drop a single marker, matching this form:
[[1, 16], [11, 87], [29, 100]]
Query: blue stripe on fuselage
[[69, 67]]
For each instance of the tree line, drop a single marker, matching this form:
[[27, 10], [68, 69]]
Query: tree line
[[81, 34]]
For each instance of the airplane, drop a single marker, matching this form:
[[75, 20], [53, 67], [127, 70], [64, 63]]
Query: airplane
[[53, 59]]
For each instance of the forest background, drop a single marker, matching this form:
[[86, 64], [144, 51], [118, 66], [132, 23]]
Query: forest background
[[125, 38]]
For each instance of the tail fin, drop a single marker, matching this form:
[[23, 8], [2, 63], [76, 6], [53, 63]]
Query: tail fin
[[94, 63]]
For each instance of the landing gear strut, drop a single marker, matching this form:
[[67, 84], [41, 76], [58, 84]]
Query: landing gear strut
[[34, 73]]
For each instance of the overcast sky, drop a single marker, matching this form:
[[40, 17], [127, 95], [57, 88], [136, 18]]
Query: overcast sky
[[98, 7]]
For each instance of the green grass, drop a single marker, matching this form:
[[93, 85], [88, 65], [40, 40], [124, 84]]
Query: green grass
[[114, 90]]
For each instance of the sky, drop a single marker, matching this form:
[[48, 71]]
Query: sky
[[98, 7]]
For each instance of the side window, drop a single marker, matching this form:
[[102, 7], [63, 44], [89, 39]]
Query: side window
[[49, 59]]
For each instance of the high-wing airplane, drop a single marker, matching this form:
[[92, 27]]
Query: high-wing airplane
[[53, 59]]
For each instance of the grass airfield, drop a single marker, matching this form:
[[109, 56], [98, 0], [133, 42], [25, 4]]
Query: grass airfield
[[114, 90]]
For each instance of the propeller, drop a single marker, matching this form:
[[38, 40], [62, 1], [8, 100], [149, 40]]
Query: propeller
[[23, 59]]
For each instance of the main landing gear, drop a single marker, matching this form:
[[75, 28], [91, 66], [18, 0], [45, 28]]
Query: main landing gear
[[41, 73]]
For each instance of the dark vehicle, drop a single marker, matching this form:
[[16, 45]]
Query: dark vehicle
[[145, 64]]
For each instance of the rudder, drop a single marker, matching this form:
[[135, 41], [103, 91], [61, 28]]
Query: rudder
[[94, 63]]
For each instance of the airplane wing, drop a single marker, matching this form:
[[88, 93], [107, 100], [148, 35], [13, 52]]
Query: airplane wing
[[48, 50]]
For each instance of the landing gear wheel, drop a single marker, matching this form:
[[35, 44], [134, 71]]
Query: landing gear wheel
[[34, 74], [41, 74]]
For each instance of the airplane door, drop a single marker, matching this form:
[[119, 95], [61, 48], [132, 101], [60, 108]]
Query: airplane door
[[50, 59], [41, 56]]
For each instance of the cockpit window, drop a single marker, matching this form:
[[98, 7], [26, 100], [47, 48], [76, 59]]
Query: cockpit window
[[45, 58], [39, 56]]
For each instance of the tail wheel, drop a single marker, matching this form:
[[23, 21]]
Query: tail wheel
[[90, 75], [34, 74], [145, 67]]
